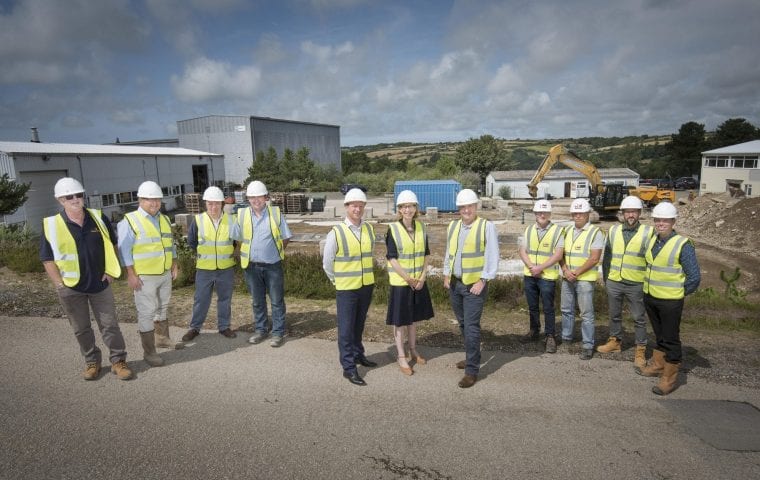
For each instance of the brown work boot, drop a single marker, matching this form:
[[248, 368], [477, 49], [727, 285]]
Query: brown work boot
[[149, 349], [667, 379], [639, 358], [91, 371], [613, 344], [121, 370], [656, 365], [467, 381], [162, 336]]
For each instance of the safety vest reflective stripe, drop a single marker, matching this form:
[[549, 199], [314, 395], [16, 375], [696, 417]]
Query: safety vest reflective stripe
[[578, 250], [150, 244], [64, 247], [353, 264], [664, 276], [627, 261], [411, 253], [215, 248], [542, 249], [473, 250], [246, 229]]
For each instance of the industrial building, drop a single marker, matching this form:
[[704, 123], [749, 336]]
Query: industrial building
[[558, 183], [110, 175], [240, 138], [731, 168]]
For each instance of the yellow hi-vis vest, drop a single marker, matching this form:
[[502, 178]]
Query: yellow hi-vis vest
[[152, 251], [579, 250], [353, 261], [541, 250], [628, 262], [473, 250], [215, 246], [64, 247], [664, 276], [246, 229], [411, 253]]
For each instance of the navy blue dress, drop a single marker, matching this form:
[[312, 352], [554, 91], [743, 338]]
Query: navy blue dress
[[406, 305]]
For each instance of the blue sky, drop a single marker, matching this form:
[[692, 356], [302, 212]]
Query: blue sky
[[88, 71]]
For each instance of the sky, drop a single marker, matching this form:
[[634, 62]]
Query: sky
[[85, 71]]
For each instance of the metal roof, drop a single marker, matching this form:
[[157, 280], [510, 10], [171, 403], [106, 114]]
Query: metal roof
[[561, 173], [254, 117], [739, 148], [88, 149]]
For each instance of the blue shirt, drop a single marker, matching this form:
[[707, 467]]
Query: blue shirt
[[92, 257], [263, 248]]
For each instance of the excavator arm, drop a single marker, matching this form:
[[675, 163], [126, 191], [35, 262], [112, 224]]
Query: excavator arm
[[559, 153]]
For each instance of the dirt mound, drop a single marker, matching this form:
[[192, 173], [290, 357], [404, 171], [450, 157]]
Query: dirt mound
[[722, 221]]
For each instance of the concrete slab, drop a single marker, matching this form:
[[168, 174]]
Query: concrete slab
[[726, 425]]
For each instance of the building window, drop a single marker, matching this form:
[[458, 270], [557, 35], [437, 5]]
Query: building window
[[748, 189], [745, 162], [717, 162], [108, 200]]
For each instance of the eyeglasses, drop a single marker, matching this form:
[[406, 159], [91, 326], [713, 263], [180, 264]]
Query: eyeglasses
[[76, 195]]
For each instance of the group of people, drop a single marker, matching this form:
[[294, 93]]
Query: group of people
[[652, 267]]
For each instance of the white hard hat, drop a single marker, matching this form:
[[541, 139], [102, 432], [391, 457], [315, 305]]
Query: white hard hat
[[664, 210], [631, 202], [466, 197], [542, 206], [580, 205], [67, 186], [407, 196], [149, 189], [355, 195], [213, 194], [256, 189]]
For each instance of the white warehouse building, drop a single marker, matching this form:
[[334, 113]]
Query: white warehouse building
[[736, 167], [110, 175], [558, 183]]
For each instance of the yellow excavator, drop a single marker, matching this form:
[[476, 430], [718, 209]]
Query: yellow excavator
[[605, 199]]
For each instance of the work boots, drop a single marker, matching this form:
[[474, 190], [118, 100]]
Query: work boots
[[667, 380], [639, 358], [149, 349], [656, 365], [613, 344], [162, 336]]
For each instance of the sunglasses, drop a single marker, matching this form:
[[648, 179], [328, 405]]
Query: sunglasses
[[76, 195]]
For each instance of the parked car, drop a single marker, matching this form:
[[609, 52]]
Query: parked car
[[348, 186], [686, 183]]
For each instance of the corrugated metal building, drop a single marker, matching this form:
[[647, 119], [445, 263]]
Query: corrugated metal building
[[240, 138], [110, 174], [559, 183]]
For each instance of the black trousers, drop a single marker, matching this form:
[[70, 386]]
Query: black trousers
[[665, 317]]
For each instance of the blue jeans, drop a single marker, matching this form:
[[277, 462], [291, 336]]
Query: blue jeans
[[352, 306], [583, 291], [540, 289], [205, 280], [468, 309], [263, 278]]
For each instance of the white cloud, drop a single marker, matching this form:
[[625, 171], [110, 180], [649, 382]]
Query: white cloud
[[206, 80]]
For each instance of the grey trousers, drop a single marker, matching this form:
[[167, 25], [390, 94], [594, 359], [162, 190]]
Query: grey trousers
[[617, 292], [77, 307]]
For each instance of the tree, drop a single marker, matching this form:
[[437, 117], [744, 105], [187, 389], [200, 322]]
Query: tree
[[266, 168], [686, 148], [482, 156], [12, 194], [733, 131]]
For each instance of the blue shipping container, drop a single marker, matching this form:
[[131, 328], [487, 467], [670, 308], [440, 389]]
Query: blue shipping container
[[440, 194]]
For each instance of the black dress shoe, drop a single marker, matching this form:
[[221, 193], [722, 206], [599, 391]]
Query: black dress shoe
[[228, 333], [365, 362], [354, 378], [190, 335]]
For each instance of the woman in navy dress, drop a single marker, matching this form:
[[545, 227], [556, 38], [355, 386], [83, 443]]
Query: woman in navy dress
[[408, 256]]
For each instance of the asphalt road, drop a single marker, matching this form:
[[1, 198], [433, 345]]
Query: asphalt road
[[225, 409]]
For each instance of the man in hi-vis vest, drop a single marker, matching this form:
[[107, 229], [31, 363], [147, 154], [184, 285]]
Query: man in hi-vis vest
[[540, 248], [472, 259], [264, 235], [148, 253], [348, 262], [212, 235], [79, 256], [583, 250], [672, 273], [624, 267]]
